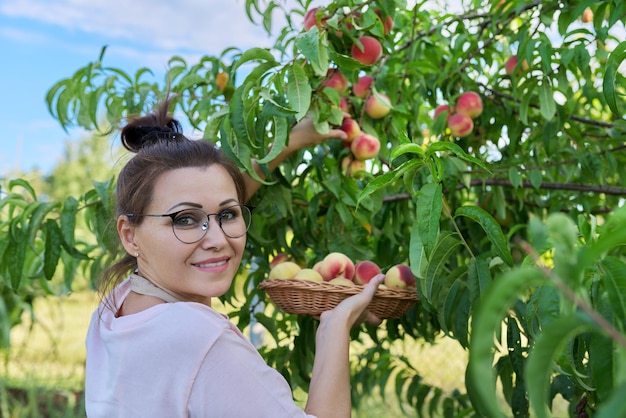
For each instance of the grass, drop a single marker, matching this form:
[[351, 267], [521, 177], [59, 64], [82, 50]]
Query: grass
[[43, 374]]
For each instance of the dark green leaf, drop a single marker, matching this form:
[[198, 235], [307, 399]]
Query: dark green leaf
[[547, 347], [486, 321], [492, 229], [298, 90]]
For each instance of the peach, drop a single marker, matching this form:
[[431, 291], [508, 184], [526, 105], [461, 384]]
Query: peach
[[442, 108], [353, 167], [363, 86], [400, 276], [336, 80], [587, 16], [310, 19], [284, 270], [377, 106], [387, 21], [341, 281], [351, 128], [364, 271], [460, 125], [335, 265], [308, 274], [221, 79], [343, 104], [511, 65], [278, 258], [367, 50], [365, 146], [470, 104]]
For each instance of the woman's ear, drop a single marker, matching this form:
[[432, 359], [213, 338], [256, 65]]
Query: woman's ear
[[126, 232]]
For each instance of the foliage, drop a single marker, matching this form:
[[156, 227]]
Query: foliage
[[515, 232]]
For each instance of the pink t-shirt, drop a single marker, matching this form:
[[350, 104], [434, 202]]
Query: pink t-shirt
[[178, 359]]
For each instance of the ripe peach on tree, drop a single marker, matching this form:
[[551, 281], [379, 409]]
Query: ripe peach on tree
[[441, 109], [336, 80], [367, 50], [512, 63], [353, 167], [365, 146], [310, 19], [377, 105], [470, 104], [351, 128], [460, 125], [363, 86]]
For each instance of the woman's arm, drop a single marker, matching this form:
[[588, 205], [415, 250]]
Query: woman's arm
[[302, 135], [329, 392]]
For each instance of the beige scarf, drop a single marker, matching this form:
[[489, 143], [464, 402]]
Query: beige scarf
[[144, 286]]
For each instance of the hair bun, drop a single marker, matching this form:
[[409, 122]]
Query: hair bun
[[136, 137]]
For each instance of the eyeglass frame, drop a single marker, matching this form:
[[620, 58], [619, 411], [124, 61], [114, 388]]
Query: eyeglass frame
[[173, 215]]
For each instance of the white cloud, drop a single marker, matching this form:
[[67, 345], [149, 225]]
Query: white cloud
[[145, 27]]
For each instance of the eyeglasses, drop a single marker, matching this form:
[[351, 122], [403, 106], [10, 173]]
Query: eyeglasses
[[190, 225]]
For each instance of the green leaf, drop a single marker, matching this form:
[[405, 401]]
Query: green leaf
[[536, 178], [255, 77], [68, 219], [267, 17], [486, 321], [478, 278], [254, 54], [237, 116], [614, 281], [377, 184], [444, 247], [214, 123], [52, 248], [540, 364], [428, 214], [491, 227], [514, 177], [407, 149], [36, 219], [547, 105], [298, 90], [25, 184], [312, 44], [281, 133], [440, 146], [615, 406], [417, 255], [611, 72]]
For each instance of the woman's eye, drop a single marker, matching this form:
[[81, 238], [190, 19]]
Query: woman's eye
[[228, 215], [186, 220]]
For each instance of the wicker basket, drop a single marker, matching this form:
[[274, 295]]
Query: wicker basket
[[312, 298]]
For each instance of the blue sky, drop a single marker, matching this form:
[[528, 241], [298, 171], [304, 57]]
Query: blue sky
[[44, 41]]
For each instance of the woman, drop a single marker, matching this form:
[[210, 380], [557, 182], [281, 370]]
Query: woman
[[155, 348]]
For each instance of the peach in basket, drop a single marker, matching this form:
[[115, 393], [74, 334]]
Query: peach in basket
[[301, 291]]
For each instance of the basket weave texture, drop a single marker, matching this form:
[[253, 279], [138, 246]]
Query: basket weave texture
[[307, 297]]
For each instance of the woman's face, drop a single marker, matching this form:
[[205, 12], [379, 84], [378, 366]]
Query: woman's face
[[197, 271]]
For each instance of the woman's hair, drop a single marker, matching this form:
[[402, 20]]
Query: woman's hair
[[160, 146]]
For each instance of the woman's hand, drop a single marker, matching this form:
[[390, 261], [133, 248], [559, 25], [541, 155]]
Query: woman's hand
[[304, 135], [354, 309], [329, 392]]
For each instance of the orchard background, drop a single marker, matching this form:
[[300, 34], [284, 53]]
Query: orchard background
[[514, 224]]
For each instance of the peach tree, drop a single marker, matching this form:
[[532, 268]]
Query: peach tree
[[489, 157]]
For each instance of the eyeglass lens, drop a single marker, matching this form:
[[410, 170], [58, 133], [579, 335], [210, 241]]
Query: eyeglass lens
[[191, 225]]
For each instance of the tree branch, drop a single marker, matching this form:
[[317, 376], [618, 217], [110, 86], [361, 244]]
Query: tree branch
[[593, 188]]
